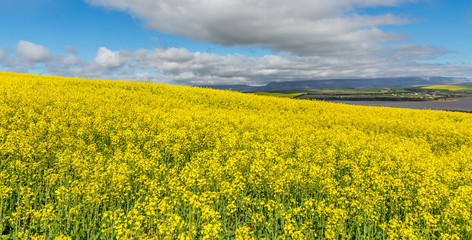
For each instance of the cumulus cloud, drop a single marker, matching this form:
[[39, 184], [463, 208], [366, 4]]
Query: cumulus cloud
[[32, 52], [303, 27], [181, 66], [109, 59], [203, 68], [70, 49], [70, 60]]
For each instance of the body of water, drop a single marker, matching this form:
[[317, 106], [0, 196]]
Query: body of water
[[461, 104]]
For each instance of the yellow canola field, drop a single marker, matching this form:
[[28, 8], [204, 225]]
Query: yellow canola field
[[95, 159], [448, 87]]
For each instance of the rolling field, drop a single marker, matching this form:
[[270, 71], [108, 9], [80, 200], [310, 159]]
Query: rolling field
[[96, 159]]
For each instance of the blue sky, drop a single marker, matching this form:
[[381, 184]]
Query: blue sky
[[57, 23], [247, 42]]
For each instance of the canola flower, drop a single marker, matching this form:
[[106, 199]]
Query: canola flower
[[102, 159]]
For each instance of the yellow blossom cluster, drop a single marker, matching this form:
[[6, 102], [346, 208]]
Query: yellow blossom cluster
[[103, 159]]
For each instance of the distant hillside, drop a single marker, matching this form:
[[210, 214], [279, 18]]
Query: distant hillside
[[344, 83]]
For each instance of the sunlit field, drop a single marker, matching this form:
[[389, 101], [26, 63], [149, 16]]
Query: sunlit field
[[96, 159], [450, 87]]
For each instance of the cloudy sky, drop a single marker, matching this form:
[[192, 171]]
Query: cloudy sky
[[194, 42]]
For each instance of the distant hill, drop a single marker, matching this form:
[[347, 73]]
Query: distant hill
[[344, 83]]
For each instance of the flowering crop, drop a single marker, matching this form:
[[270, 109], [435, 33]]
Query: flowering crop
[[450, 87], [96, 159]]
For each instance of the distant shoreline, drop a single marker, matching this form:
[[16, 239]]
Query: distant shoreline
[[463, 104], [462, 96], [376, 99]]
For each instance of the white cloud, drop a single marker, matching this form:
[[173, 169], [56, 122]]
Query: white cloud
[[109, 59], [32, 52], [303, 27], [181, 66], [70, 60], [204, 68]]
